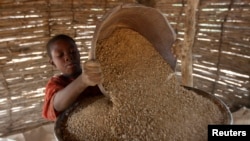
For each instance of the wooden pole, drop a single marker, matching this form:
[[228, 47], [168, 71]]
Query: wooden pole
[[186, 59]]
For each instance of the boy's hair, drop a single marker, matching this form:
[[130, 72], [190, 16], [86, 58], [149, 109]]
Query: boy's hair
[[57, 38]]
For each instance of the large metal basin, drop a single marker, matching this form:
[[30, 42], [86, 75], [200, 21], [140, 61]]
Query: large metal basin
[[228, 119]]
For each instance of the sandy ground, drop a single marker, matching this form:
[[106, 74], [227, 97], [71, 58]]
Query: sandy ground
[[46, 132]]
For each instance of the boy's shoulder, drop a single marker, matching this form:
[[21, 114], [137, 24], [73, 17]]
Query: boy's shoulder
[[59, 80], [56, 77]]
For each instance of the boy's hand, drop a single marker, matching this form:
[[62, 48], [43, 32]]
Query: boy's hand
[[92, 73]]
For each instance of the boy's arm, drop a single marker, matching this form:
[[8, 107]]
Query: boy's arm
[[91, 76]]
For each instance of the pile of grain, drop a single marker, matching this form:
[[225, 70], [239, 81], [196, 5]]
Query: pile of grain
[[146, 102]]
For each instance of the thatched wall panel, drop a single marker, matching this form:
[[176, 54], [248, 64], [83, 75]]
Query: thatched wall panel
[[223, 90], [222, 40], [22, 22], [14, 82], [56, 30], [208, 74], [234, 65], [205, 37], [239, 37], [19, 6], [3, 92], [24, 37], [25, 126], [17, 85], [26, 105], [236, 52], [9, 68], [241, 80], [15, 64], [15, 55], [226, 90], [229, 63], [168, 2], [16, 91], [231, 82], [11, 80], [18, 40], [29, 34], [233, 78], [205, 85], [23, 47], [3, 105]]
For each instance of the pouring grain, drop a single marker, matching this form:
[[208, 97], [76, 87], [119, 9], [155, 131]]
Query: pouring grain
[[147, 102]]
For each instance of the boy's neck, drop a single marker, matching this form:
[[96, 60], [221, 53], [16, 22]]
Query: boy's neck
[[73, 76]]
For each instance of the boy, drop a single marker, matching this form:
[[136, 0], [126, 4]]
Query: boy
[[63, 90]]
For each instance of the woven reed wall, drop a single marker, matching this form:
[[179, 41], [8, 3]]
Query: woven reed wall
[[221, 51], [25, 27]]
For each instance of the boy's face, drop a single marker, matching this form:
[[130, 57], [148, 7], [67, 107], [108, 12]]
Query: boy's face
[[65, 57]]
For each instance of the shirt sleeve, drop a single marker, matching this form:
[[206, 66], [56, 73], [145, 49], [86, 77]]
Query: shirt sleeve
[[52, 87]]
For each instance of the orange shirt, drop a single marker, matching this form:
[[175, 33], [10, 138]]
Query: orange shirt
[[54, 85]]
